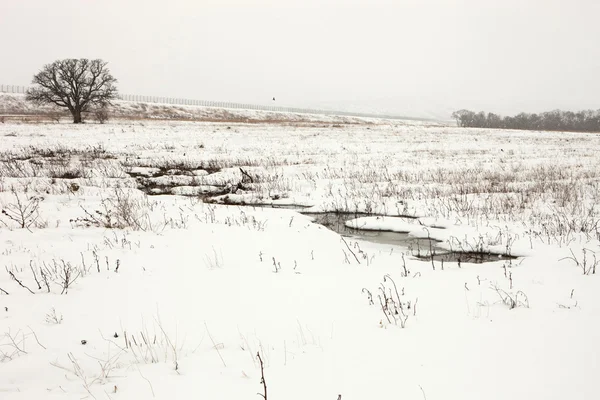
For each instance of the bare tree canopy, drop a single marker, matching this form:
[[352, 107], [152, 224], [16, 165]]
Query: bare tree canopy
[[79, 85], [557, 120]]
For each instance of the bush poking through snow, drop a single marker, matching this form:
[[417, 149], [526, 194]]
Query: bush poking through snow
[[151, 348], [59, 273], [395, 308], [53, 318], [214, 260], [510, 299], [587, 265], [100, 114], [24, 212], [14, 344], [120, 211], [140, 348], [106, 368], [63, 274]]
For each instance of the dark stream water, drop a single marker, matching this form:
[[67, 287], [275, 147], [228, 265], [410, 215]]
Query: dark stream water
[[422, 248]]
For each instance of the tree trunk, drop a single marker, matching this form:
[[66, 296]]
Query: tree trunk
[[76, 116]]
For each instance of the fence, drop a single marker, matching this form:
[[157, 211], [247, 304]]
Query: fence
[[222, 104], [12, 89]]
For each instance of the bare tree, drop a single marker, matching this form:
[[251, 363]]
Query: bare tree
[[556, 120], [76, 84]]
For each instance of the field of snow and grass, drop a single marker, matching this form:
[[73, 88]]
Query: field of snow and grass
[[140, 262]]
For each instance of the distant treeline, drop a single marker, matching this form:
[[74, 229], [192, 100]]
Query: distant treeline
[[557, 120]]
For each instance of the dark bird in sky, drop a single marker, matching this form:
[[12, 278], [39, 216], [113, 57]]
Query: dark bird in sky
[[273, 98]]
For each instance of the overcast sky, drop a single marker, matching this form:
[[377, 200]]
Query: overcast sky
[[414, 57]]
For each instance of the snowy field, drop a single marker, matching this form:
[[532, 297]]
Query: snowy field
[[138, 264]]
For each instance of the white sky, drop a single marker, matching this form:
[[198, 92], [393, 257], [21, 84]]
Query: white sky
[[414, 57]]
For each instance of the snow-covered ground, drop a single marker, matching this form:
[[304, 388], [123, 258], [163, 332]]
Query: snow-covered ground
[[109, 293]]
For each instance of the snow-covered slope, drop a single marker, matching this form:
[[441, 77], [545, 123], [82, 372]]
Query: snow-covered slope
[[14, 105]]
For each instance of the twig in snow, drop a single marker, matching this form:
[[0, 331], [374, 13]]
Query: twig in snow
[[370, 296], [431, 252], [34, 275], [247, 175], [349, 249], [18, 281], [146, 379], [415, 307], [215, 345], [422, 391], [405, 271], [36, 338], [262, 378], [170, 343]]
